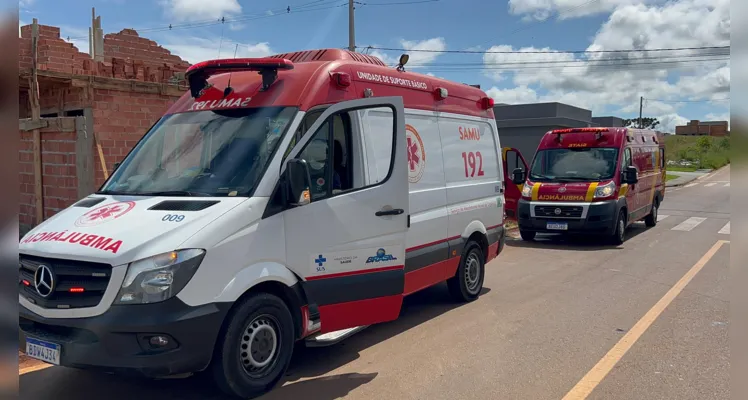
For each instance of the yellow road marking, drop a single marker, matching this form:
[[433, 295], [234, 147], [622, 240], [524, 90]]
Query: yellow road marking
[[589, 382], [33, 368]]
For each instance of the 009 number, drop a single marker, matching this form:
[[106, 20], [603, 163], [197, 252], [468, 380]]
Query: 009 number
[[173, 218], [473, 164]]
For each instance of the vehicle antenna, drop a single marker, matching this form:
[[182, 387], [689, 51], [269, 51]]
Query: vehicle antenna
[[228, 89]]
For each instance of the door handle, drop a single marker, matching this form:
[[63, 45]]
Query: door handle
[[396, 211]]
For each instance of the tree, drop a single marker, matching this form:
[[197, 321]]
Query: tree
[[647, 123]]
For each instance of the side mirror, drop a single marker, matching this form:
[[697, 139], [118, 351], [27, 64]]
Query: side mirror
[[631, 175], [298, 182], [518, 176]]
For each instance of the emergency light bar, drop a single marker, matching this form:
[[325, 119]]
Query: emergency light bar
[[598, 131], [198, 74]]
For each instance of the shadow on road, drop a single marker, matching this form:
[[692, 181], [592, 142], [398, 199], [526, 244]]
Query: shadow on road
[[63, 384], [417, 309], [303, 379], [575, 242]]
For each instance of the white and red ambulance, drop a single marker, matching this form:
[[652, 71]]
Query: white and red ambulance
[[295, 197]]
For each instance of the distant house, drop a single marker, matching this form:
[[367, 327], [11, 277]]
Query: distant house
[[703, 128]]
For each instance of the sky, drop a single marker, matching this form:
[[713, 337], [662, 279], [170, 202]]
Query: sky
[[576, 52]]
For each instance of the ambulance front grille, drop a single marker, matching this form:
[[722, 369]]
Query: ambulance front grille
[[558, 211], [74, 284]]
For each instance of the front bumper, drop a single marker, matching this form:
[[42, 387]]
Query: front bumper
[[597, 218], [118, 340]]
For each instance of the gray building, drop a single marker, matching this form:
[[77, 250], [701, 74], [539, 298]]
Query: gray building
[[521, 126]]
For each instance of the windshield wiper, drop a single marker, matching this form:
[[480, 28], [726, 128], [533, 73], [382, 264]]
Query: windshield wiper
[[537, 177], [116, 193], [177, 193], [574, 178]]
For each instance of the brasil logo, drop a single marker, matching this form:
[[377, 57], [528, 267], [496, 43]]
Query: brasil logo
[[381, 256]]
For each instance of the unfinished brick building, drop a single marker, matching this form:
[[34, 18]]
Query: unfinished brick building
[[87, 107]]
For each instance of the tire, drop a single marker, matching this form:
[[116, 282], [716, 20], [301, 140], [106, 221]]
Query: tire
[[467, 283], [619, 235], [527, 235], [262, 319], [651, 219]]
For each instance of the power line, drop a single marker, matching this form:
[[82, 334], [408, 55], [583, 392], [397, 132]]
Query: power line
[[690, 101], [317, 5], [305, 7], [680, 64], [560, 14], [545, 51], [397, 3], [683, 57]]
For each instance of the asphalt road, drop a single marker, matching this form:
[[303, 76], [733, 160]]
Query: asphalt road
[[648, 319]]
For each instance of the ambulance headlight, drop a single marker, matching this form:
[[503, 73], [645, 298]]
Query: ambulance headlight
[[160, 277], [526, 190], [606, 190]]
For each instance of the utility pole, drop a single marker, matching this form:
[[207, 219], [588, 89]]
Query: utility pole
[[351, 28], [641, 106]]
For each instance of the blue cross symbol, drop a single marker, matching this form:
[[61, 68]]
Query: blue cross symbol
[[321, 260]]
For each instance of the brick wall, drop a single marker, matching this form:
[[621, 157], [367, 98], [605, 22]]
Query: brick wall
[[54, 53], [698, 128], [126, 56], [59, 182], [120, 117], [120, 120], [135, 57]]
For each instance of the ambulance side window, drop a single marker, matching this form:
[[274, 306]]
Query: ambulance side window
[[307, 123], [662, 158], [327, 154], [626, 158], [351, 150]]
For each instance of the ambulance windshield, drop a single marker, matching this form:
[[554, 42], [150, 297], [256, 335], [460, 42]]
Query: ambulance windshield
[[575, 164], [204, 153]]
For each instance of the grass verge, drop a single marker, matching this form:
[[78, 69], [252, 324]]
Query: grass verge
[[703, 151]]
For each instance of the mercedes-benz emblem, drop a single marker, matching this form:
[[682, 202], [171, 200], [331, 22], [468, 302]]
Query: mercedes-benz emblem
[[557, 211], [44, 281], [562, 189]]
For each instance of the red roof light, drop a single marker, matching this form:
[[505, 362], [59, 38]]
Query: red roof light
[[578, 130], [341, 79], [198, 74], [240, 64], [487, 103]]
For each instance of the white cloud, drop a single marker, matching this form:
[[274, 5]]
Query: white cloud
[[518, 95], [718, 117], [617, 86], [195, 49], [200, 10], [542, 10], [669, 121], [417, 59]]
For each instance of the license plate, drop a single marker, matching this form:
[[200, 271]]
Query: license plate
[[44, 351], [557, 226]]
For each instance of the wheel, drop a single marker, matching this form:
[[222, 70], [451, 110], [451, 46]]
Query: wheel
[[255, 348], [619, 235], [651, 219], [468, 281], [527, 236]]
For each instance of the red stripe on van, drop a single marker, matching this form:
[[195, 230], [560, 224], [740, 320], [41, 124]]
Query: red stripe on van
[[351, 273], [339, 316]]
